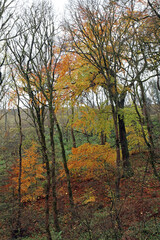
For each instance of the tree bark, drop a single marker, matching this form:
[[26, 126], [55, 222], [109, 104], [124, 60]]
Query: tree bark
[[73, 138], [54, 194], [18, 230], [72, 131], [48, 184], [127, 169], [65, 165], [19, 227], [118, 174], [102, 138], [150, 142], [38, 120]]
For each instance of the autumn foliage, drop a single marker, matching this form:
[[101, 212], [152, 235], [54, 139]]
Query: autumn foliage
[[32, 175], [91, 161], [87, 87]]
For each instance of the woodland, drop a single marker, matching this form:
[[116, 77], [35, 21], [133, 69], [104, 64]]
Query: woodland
[[80, 120]]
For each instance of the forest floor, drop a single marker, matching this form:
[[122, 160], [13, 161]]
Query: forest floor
[[99, 215]]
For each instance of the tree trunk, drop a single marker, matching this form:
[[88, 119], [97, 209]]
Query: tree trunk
[[6, 118], [127, 169], [40, 123], [72, 131], [65, 165], [19, 227], [47, 222], [147, 117], [118, 174], [73, 138], [18, 230], [54, 194], [150, 142], [102, 138], [48, 185]]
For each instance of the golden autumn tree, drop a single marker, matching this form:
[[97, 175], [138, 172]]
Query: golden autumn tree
[[32, 176], [94, 120], [79, 85], [91, 161], [98, 33]]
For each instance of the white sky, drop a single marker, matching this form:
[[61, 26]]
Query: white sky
[[60, 5]]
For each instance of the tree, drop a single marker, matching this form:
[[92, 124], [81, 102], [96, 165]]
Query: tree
[[32, 174], [154, 7], [32, 56], [142, 65], [82, 165], [6, 26], [18, 230], [98, 34], [37, 59]]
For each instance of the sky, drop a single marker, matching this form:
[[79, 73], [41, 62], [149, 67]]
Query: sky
[[60, 5]]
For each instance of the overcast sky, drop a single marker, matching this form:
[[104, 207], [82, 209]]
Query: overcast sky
[[59, 5]]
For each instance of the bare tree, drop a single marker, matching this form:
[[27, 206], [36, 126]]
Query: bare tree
[[7, 19], [142, 63], [36, 55], [31, 51], [154, 5], [17, 232]]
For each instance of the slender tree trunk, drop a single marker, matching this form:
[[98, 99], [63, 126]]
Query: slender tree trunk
[[72, 131], [6, 117], [149, 142], [47, 210], [19, 227], [118, 174], [152, 155], [147, 117], [48, 185], [67, 134], [40, 125], [127, 169], [65, 165], [38, 119], [102, 138], [18, 230], [54, 193], [73, 138]]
